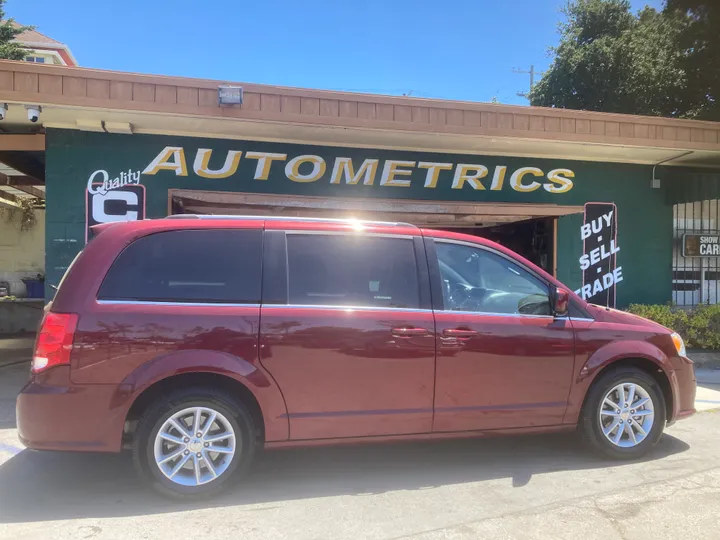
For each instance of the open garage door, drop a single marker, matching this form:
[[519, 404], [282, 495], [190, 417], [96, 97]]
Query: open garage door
[[421, 213], [528, 229]]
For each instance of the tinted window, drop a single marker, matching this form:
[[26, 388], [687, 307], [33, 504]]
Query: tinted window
[[352, 271], [478, 280], [188, 266]]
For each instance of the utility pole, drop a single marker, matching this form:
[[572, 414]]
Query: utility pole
[[532, 74]]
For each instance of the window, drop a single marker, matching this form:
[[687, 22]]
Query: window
[[349, 270], [36, 59], [478, 280], [212, 266]]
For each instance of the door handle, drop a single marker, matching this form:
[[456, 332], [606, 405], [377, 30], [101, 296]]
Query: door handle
[[459, 333], [409, 332]]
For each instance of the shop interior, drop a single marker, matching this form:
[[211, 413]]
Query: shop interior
[[531, 238]]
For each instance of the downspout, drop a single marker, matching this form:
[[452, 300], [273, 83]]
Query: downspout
[[656, 181], [655, 184]]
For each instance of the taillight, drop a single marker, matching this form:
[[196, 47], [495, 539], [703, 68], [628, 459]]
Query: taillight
[[54, 341]]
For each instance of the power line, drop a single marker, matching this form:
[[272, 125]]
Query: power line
[[532, 74]]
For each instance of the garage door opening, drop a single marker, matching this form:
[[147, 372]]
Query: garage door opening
[[528, 229], [534, 239]]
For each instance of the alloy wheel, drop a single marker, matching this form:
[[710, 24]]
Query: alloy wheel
[[627, 414], [195, 446]]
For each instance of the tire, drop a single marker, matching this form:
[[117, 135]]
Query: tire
[[598, 416], [234, 456]]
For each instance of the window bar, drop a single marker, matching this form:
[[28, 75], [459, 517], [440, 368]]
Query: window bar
[[676, 260], [701, 261], [683, 224], [715, 259], [673, 292], [697, 299], [676, 254], [691, 285]]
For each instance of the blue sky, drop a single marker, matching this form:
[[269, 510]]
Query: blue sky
[[457, 49]]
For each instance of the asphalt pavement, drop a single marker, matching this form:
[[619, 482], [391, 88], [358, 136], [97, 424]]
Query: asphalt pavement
[[543, 487]]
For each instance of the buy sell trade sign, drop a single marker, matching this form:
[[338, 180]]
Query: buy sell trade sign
[[599, 260]]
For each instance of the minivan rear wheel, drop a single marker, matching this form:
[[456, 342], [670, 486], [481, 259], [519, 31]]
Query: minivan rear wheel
[[193, 442], [624, 413]]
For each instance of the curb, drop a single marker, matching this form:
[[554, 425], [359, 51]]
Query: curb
[[705, 359]]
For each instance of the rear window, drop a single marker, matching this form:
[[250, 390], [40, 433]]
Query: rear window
[[348, 270], [202, 266]]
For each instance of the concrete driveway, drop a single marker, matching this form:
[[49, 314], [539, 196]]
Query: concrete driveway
[[528, 487]]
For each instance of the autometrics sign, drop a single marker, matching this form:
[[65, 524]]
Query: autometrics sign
[[118, 194], [391, 173]]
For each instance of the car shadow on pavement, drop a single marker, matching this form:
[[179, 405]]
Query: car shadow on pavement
[[43, 486]]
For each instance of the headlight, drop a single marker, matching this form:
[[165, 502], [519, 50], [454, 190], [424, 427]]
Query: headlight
[[679, 344]]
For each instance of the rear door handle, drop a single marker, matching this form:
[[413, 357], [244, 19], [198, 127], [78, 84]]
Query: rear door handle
[[409, 332], [459, 332]]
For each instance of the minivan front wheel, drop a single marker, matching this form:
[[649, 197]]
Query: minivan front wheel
[[624, 414], [192, 442]]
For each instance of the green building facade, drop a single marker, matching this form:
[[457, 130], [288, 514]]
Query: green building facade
[[91, 175]]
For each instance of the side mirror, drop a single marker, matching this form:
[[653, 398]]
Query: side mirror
[[561, 302]]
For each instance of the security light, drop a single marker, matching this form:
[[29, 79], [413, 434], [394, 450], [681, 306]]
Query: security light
[[230, 95]]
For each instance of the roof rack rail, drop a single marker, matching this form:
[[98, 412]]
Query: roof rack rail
[[291, 218]]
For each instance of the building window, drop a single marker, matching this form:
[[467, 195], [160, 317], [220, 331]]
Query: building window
[[36, 59], [695, 279]]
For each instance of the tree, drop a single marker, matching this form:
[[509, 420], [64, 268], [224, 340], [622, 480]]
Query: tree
[[9, 49], [613, 61], [699, 42]]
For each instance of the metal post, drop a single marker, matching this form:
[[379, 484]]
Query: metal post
[[702, 261]]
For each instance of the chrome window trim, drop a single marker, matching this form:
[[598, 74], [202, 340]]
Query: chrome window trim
[[489, 314], [346, 308], [516, 315], [342, 221], [350, 233], [171, 303], [332, 307]]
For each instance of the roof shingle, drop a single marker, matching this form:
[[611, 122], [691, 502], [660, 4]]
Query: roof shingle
[[33, 36]]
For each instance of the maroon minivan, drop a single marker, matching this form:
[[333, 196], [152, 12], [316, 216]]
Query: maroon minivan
[[193, 341]]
